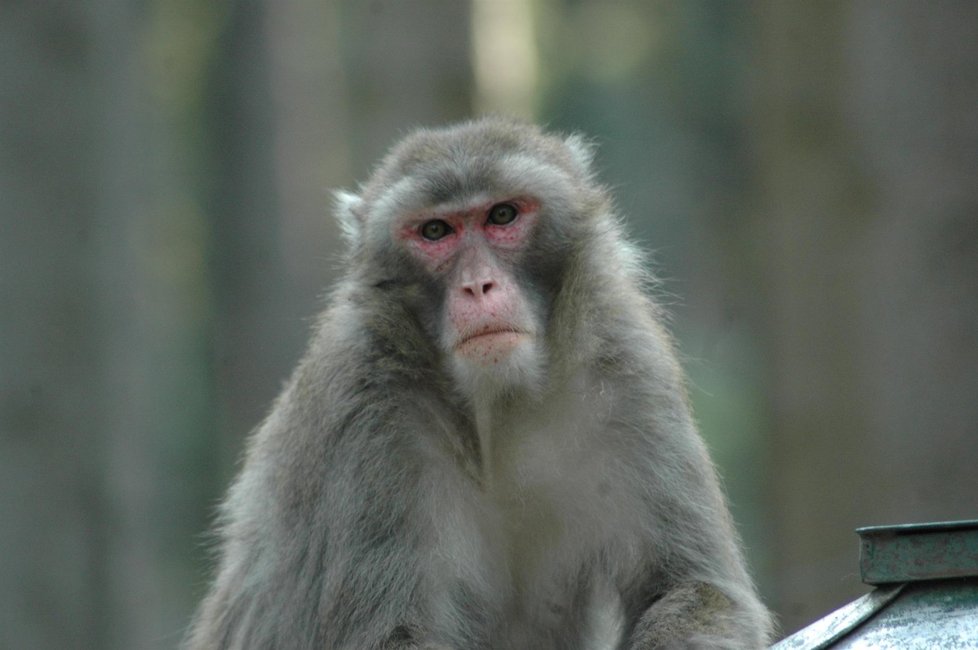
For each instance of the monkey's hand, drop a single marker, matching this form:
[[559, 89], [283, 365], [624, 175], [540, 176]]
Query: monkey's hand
[[693, 615]]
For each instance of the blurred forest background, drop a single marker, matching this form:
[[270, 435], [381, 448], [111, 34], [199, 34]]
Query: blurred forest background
[[805, 176]]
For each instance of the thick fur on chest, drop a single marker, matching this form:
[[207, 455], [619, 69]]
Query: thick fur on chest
[[536, 531], [551, 482]]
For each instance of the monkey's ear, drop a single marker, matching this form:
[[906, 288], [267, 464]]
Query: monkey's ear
[[347, 206], [582, 150]]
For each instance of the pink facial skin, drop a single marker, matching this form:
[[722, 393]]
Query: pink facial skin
[[487, 314]]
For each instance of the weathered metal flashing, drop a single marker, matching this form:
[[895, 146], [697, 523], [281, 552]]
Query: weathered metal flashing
[[926, 596], [914, 552], [941, 615], [824, 632]]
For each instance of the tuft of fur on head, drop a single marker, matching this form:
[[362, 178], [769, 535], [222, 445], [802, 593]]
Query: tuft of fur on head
[[582, 150], [348, 209]]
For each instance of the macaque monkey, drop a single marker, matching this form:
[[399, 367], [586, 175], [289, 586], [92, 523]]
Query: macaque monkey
[[488, 444]]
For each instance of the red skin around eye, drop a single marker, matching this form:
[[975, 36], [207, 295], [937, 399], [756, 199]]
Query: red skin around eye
[[468, 226]]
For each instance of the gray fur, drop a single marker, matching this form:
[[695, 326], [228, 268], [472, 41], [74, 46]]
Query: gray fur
[[365, 517]]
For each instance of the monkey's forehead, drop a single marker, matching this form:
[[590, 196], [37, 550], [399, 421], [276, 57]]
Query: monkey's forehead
[[454, 186], [463, 157]]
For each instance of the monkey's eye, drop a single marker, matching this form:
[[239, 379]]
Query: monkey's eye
[[502, 214], [435, 229]]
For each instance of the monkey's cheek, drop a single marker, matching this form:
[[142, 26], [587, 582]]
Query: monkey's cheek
[[490, 349]]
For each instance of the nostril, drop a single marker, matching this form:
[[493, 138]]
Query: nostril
[[478, 289]]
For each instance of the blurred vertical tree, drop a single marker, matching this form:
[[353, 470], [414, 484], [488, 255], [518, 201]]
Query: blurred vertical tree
[[104, 385], [867, 150], [257, 326], [53, 514], [406, 66]]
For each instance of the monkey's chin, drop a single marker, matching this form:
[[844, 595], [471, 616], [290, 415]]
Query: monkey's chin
[[498, 362]]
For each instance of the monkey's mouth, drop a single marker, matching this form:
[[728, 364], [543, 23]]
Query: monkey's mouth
[[490, 343]]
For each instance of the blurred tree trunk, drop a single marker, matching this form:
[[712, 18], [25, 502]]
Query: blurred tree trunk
[[103, 393], [867, 150], [52, 510], [407, 66], [258, 311]]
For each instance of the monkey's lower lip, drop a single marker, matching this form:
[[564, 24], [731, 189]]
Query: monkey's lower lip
[[490, 342]]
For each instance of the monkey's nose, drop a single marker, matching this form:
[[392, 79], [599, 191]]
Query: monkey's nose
[[479, 288]]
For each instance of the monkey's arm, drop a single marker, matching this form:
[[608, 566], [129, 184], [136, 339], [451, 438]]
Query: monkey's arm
[[697, 592], [700, 596], [691, 587], [697, 615], [325, 533]]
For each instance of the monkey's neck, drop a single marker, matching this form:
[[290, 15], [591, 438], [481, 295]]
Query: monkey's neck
[[483, 428]]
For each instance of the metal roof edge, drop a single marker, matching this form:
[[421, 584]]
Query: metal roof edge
[[825, 631]]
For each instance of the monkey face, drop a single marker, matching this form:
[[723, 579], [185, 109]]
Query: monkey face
[[482, 235], [489, 328]]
